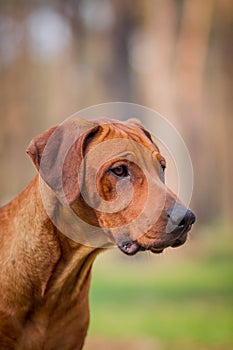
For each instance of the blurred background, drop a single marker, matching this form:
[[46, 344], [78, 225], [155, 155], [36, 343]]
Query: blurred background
[[175, 56]]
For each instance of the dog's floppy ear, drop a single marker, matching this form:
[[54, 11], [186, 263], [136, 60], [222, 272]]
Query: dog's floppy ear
[[137, 122], [58, 152], [36, 146]]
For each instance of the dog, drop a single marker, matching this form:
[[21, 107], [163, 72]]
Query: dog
[[45, 274]]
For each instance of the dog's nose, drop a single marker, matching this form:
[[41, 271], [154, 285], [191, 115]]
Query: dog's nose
[[187, 220], [181, 218]]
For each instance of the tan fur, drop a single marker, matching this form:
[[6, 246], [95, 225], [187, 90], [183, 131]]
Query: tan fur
[[44, 279], [45, 276]]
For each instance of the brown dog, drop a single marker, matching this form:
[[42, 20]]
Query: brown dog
[[45, 275]]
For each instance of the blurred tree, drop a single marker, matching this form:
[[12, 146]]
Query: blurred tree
[[172, 55], [222, 100]]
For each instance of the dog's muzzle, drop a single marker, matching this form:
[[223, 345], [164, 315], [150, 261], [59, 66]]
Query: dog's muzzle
[[178, 227]]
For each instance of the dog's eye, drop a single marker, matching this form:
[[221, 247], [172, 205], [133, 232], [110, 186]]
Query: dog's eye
[[120, 171]]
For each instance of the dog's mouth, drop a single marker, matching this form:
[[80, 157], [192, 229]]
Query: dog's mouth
[[130, 247], [133, 247]]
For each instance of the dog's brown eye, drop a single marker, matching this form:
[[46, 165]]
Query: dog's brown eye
[[120, 171]]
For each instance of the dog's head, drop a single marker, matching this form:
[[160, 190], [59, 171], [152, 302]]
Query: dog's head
[[111, 174]]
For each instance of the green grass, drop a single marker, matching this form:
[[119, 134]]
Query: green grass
[[181, 300]]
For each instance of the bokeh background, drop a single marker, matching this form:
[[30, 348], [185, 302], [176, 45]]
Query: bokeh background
[[175, 56]]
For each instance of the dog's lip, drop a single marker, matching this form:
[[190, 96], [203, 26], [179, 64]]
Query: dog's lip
[[132, 247], [180, 240], [177, 243], [129, 248], [157, 250]]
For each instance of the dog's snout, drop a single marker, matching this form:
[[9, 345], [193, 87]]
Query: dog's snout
[[181, 217], [188, 219]]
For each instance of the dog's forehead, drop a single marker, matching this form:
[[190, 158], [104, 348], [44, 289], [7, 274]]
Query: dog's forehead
[[115, 139], [111, 129]]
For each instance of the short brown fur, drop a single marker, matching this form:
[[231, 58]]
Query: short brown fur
[[45, 276]]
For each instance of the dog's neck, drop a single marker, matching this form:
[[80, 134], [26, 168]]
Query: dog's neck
[[44, 262]]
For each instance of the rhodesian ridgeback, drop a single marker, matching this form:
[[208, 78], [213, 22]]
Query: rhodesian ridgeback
[[45, 272]]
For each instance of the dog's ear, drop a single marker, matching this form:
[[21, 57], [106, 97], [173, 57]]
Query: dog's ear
[[36, 146], [137, 122], [58, 152]]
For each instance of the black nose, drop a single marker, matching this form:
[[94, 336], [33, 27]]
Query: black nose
[[181, 218], [187, 220]]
